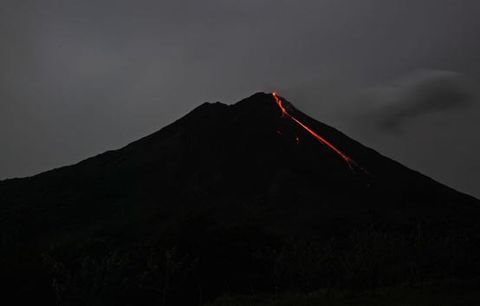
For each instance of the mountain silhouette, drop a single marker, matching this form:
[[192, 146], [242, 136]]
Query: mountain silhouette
[[218, 189]]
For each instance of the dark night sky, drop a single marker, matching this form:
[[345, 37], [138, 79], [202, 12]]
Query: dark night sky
[[79, 77]]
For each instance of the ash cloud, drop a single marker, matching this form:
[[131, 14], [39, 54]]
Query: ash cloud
[[420, 94]]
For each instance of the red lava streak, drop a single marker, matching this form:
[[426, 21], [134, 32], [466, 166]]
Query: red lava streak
[[319, 138]]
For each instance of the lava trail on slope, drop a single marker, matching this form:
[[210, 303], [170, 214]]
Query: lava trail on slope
[[350, 162]]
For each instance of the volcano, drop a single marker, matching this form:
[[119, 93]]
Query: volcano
[[250, 197]]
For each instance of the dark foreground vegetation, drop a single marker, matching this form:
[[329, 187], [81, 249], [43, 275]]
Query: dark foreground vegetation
[[435, 294], [206, 263]]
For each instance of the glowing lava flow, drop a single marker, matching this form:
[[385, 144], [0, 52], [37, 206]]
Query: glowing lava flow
[[350, 162]]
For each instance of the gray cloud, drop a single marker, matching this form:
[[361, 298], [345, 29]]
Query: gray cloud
[[420, 94]]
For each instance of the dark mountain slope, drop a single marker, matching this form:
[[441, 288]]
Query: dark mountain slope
[[243, 173]]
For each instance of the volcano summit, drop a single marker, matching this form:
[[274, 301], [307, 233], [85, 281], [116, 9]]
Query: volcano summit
[[254, 197]]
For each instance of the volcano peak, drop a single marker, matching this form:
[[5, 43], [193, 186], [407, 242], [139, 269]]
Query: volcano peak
[[255, 169]]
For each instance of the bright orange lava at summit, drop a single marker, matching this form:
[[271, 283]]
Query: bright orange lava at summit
[[319, 138]]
